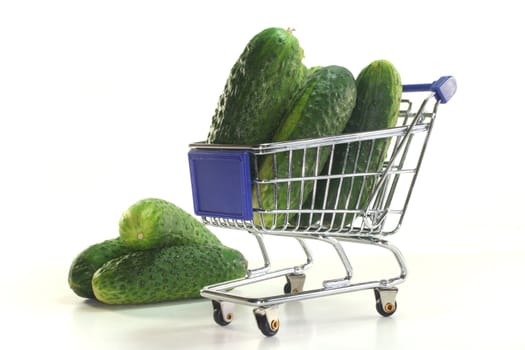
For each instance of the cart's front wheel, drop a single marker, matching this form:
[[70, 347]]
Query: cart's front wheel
[[386, 303], [267, 321], [221, 315]]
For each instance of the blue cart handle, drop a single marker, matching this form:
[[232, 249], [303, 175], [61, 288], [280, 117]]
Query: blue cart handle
[[444, 88]]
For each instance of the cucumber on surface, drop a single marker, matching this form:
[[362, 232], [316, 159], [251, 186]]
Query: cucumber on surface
[[154, 222], [90, 260], [166, 274]]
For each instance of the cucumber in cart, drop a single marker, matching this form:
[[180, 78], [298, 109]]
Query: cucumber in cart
[[378, 99], [257, 91], [320, 108]]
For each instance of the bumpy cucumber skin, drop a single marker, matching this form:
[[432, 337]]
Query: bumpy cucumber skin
[[166, 274], [379, 92], [90, 260], [320, 108], [154, 222], [258, 89]]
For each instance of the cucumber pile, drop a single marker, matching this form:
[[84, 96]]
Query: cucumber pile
[[305, 103], [161, 254]]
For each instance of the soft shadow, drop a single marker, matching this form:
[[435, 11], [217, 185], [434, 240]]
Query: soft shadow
[[162, 310], [386, 333]]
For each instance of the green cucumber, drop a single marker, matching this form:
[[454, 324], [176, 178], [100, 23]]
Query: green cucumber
[[154, 222], [378, 98], [320, 108], [90, 260], [166, 274], [258, 89]]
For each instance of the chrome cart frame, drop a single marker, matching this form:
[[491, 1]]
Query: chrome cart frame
[[228, 192]]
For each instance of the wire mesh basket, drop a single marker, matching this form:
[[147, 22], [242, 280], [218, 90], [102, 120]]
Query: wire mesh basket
[[345, 188]]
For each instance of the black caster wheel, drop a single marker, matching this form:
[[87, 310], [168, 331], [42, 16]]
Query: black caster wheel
[[268, 326], [287, 289], [219, 316], [386, 303]]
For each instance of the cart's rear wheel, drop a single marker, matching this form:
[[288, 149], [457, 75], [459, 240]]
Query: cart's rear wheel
[[287, 289], [219, 316], [294, 283]]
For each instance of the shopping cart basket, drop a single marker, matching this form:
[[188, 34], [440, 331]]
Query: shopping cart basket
[[316, 201]]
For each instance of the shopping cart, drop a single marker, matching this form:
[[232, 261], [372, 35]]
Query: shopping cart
[[316, 201]]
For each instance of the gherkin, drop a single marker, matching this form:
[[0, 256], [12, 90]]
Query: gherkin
[[166, 274], [90, 260], [321, 107], [258, 89], [379, 92], [154, 222]]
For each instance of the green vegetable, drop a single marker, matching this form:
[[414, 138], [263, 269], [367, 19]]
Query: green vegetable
[[378, 98], [258, 89], [89, 261], [166, 274], [154, 222], [320, 108]]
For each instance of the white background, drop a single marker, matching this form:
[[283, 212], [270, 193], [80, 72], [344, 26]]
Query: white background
[[100, 99]]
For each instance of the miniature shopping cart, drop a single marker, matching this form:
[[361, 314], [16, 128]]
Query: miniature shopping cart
[[228, 190]]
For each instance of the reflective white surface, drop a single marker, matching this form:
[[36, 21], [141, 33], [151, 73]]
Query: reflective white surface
[[448, 302]]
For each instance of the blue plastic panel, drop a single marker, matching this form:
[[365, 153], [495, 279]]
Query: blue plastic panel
[[221, 183]]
